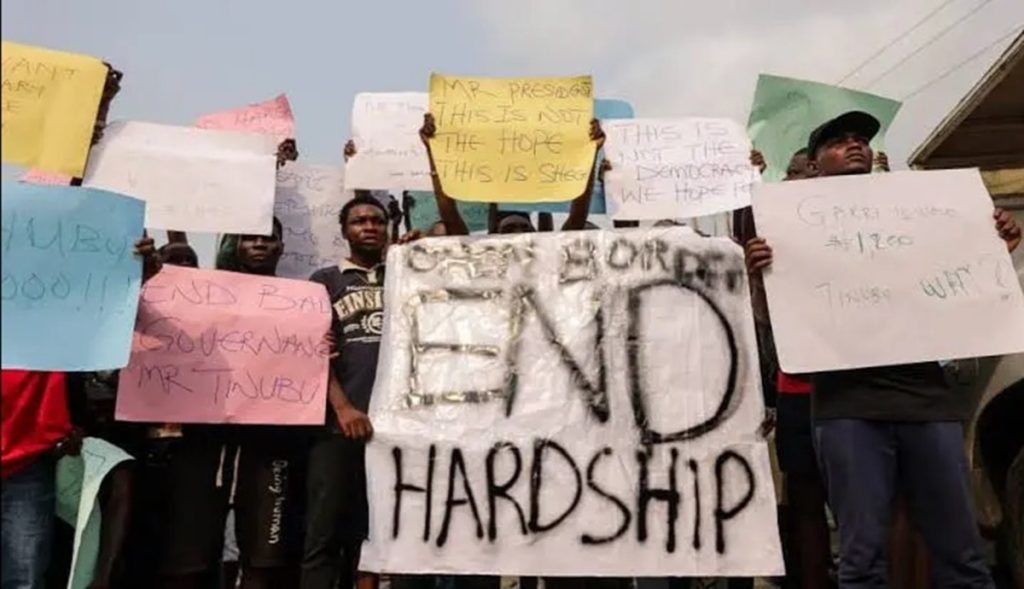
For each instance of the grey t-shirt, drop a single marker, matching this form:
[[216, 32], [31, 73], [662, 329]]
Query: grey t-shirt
[[908, 392]]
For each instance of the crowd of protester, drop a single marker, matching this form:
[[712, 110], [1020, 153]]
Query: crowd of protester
[[851, 441]]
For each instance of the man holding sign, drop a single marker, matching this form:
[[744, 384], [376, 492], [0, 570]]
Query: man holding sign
[[257, 468], [889, 428]]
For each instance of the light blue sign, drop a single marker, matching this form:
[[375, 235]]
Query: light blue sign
[[604, 108], [70, 281]]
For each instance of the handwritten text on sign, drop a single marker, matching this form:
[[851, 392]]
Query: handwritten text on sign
[[307, 203], [191, 179], [272, 117], [389, 152], [570, 404], [225, 347], [887, 269], [512, 140], [677, 168], [49, 103], [69, 275]]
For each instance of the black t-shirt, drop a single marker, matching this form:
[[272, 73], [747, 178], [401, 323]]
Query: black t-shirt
[[357, 296], [909, 392]]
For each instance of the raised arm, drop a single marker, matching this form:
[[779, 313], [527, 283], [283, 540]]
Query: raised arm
[[579, 210], [450, 215]]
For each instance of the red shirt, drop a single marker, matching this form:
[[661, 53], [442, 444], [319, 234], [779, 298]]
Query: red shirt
[[787, 384], [35, 417]]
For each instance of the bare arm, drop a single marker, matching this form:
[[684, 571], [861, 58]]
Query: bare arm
[[353, 422], [116, 513], [579, 210], [449, 212]]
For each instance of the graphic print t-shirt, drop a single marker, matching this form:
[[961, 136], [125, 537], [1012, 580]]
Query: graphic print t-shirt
[[357, 297]]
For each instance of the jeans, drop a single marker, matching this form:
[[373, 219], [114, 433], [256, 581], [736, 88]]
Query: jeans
[[29, 499], [865, 463]]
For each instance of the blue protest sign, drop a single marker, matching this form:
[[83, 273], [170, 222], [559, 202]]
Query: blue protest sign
[[70, 282]]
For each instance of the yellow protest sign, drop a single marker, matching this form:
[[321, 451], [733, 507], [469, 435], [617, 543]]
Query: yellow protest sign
[[50, 100], [512, 140]]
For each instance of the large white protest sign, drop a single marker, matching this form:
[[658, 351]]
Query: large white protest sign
[[569, 404], [191, 179], [887, 269], [676, 168], [389, 153], [308, 201]]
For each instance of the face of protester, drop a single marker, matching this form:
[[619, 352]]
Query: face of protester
[[366, 228], [259, 254], [842, 155], [179, 254], [437, 230], [515, 224], [799, 168]]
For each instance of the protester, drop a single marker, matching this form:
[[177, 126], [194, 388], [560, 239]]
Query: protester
[[177, 253], [258, 469], [579, 209], [887, 429], [37, 430], [336, 522], [806, 544]]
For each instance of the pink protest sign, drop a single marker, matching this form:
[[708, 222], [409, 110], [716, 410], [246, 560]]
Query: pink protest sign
[[223, 347], [40, 177], [273, 117]]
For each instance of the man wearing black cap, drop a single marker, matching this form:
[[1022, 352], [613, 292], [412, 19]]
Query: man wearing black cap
[[883, 429]]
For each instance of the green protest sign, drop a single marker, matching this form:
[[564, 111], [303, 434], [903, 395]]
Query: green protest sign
[[78, 484], [786, 110], [423, 213]]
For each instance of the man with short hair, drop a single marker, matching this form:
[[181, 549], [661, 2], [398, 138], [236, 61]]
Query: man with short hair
[[256, 468], [886, 429], [336, 520]]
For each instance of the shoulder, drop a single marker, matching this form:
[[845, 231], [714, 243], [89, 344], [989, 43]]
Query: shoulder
[[326, 276]]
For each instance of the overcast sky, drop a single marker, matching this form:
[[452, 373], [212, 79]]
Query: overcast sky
[[668, 57]]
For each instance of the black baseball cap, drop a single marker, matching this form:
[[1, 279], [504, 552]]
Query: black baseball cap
[[856, 121]]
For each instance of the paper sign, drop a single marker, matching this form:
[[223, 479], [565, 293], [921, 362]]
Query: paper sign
[[887, 269], [191, 179], [604, 109], [224, 347], [69, 275], [677, 168], [35, 176], [424, 213], [512, 140], [273, 117], [579, 403], [389, 152], [50, 100], [786, 110], [309, 199], [79, 479]]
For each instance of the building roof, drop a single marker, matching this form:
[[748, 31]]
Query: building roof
[[986, 129]]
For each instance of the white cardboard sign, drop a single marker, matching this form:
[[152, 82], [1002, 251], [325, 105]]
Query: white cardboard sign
[[581, 403], [389, 153], [887, 269], [191, 179], [676, 168], [309, 198]]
